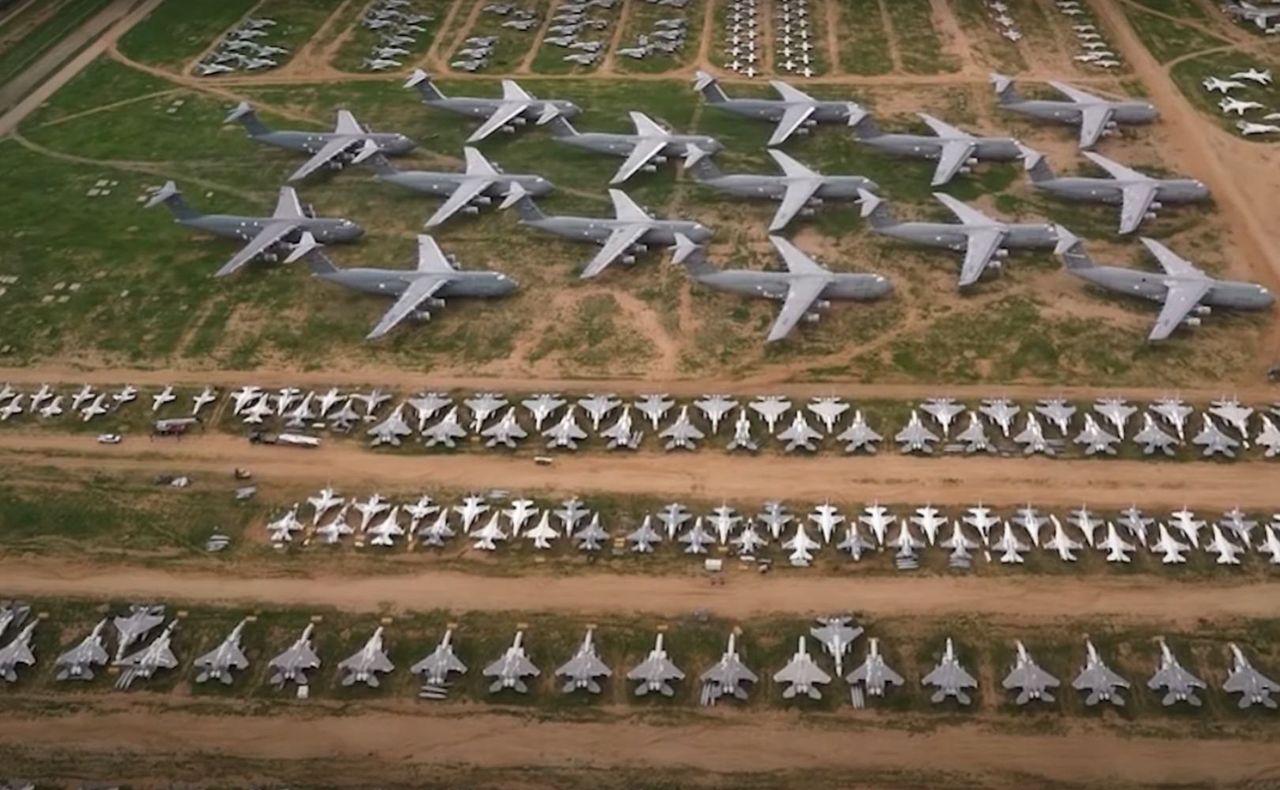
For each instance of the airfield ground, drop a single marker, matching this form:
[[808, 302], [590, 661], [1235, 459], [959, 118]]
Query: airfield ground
[[110, 293]]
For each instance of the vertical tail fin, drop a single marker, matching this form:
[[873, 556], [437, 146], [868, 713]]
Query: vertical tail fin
[[706, 84], [525, 207], [171, 197], [248, 118], [559, 126], [703, 168], [1036, 165], [1005, 92], [422, 81], [866, 128], [692, 257], [311, 249], [1071, 250], [875, 210]]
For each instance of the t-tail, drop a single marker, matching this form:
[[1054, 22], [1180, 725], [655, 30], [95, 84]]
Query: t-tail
[[248, 118], [1005, 92], [317, 261], [422, 81], [525, 207], [875, 210], [1036, 165], [692, 257], [172, 198], [1071, 250], [371, 153], [699, 165], [864, 126], [706, 84], [559, 126]]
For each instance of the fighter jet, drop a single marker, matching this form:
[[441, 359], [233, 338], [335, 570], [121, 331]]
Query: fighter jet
[[1061, 542], [364, 665], [727, 677], [828, 410], [1001, 412], [655, 407], [944, 410], [805, 289], [1228, 552], [591, 537], [836, 635], [1010, 547], [1032, 682], [1253, 686], [1118, 549], [874, 674], [799, 435], [929, 520], [1101, 682], [1058, 412], [1175, 412], [144, 663], [742, 437], [955, 150], [267, 237], [1171, 550], [542, 406], [714, 408], [914, 437], [78, 662], [514, 110], [673, 516], [630, 232], [1213, 439], [435, 668], [1260, 15], [698, 539], [219, 663], [1182, 290], [801, 674], [1095, 115], [17, 653], [950, 678], [134, 627], [795, 110], [510, 670], [1153, 439], [1179, 684], [682, 433], [801, 547], [480, 183], [1139, 196], [293, 663], [656, 672], [984, 241], [1032, 438], [1260, 76], [581, 671], [800, 190], [650, 146], [333, 150], [859, 436], [391, 430], [416, 291], [645, 537], [447, 431], [506, 431]]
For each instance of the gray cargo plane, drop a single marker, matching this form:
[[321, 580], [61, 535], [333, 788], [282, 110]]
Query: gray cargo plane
[[631, 231], [267, 237], [649, 146], [805, 289], [1139, 196], [478, 185], [795, 111], [984, 241], [1185, 292], [799, 190], [333, 150], [955, 150], [416, 291], [515, 109], [1095, 115]]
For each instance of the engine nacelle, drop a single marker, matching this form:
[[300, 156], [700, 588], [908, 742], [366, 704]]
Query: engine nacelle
[[996, 264], [822, 304], [627, 259], [519, 120], [508, 128], [1156, 205], [808, 211], [965, 170], [470, 210], [809, 123], [812, 318], [650, 168], [482, 200], [1149, 215], [803, 130], [659, 160], [1191, 321], [1203, 309], [1001, 254], [639, 248], [422, 316], [814, 201], [271, 257], [972, 161]]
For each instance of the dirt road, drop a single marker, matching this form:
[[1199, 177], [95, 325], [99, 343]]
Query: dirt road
[[1144, 599]]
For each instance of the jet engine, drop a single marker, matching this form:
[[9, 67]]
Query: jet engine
[[971, 161], [821, 304], [660, 160], [1191, 321], [812, 318], [421, 316], [627, 259], [482, 200], [814, 201], [470, 209], [1202, 309], [1002, 253], [1156, 205], [638, 248]]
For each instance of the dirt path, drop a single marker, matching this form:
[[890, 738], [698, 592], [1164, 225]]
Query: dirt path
[[706, 42], [890, 37], [13, 13], [833, 37], [746, 595], [708, 474], [954, 37]]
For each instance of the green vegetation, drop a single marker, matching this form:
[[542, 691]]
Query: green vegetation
[[1167, 39], [1186, 9], [363, 40], [642, 17], [179, 30], [512, 46], [69, 16], [919, 45], [995, 50], [1190, 73], [864, 40]]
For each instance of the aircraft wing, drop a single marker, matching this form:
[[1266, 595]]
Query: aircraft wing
[[525, 667], [953, 156], [327, 153], [1181, 298], [802, 672], [1023, 677], [166, 659], [1137, 201], [617, 243], [1093, 120], [644, 150], [981, 248], [798, 193], [287, 205], [942, 128], [800, 297], [380, 663], [1172, 263], [268, 236], [501, 117], [466, 192], [792, 117], [419, 290]]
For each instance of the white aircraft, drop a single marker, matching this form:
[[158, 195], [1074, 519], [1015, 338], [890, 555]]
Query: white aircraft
[[801, 547], [1061, 542], [470, 509], [827, 518], [1186, 522], [1011, 549], [929, 519], [802, 674], [491, 532], [387, 530], [1250, 129], [1173, 552], [980, 518], [1216, 85], [1229, 105], [1254, 74], [878, 519], [372, 507], [1228, 552], [1118, 550], [519, 513], [322, 502]]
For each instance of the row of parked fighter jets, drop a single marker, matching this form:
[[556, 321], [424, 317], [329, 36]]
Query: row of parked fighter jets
[[729, 678], [1094, 49], [243, 49], [486, 522], [397, 25]]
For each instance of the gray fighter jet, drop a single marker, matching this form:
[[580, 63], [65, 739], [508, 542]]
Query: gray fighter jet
[[956, 151], [802, 674], [510, 670], [950, 678], [630, 232], [581, 671], [682, 434], [727, 677], [144, 663], [293, 663], [1253, 686], [1213, 439], [12, 613], [800, 190], [1095, 115], [1261, 15], [645, 537], [836, 635], [859, 436], [134, 627], [17, 653], [794, 111], [435, 668], [267, 237], [515, 109], [333, 150], [78, 662], [1031, 681], [416, 291], [1099, 679], [805, 289], [1179, 684], [218, 663], [650, 146], [914, 437], [506, 431], [364, 665], [1139, 196], [656, 673], [1185, 292], [478, 185], [984, 241], [874, 674]]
